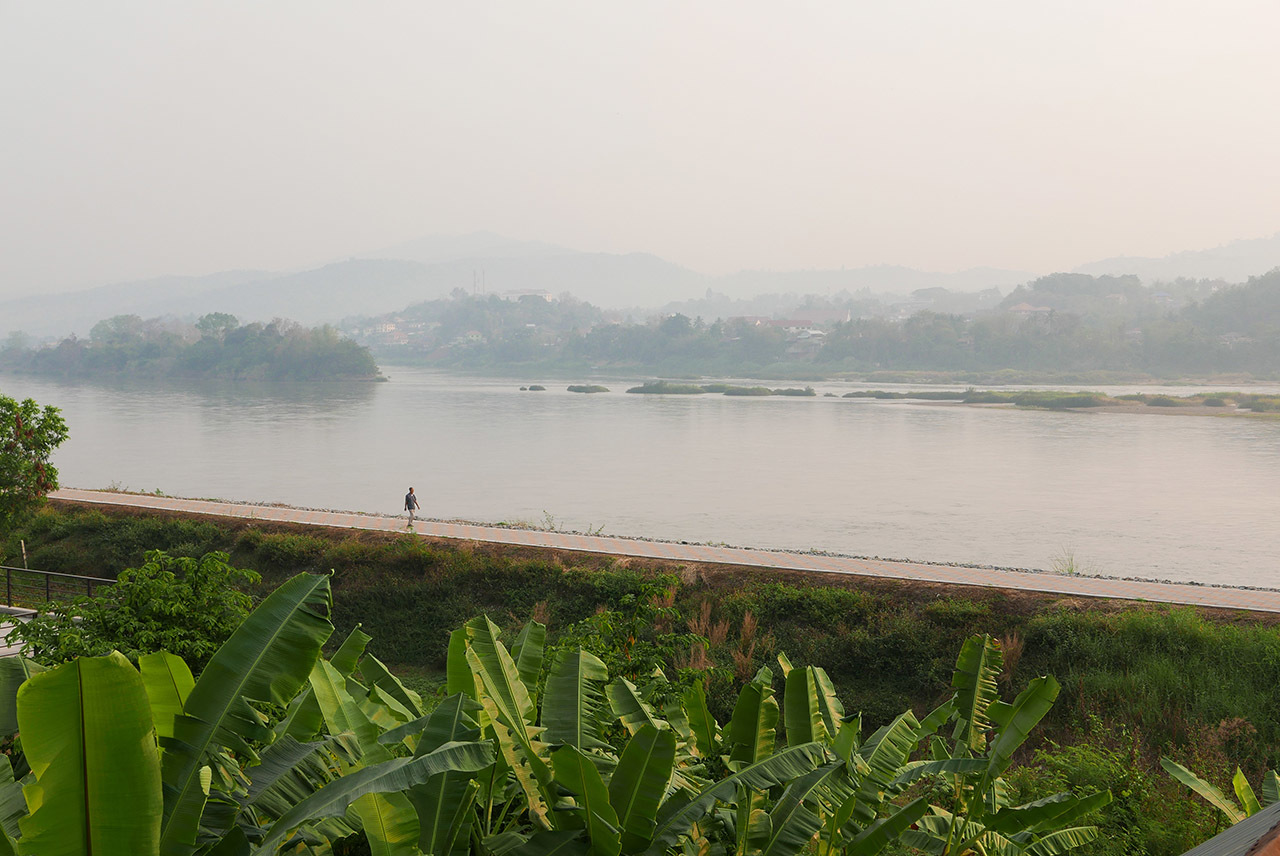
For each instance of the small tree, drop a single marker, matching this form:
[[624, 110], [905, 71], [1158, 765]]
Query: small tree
[[187, 607], [28, 436]]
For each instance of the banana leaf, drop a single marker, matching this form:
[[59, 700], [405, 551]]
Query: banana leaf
[[444, 801], [89, 738], [701, 722], [882, 832], [795, 819], [638, 784], [14, 672], [753, 726], [168, 682], [1248, 800], [576, 773], [12, 804], [1215, 797], [389, 777], [382, 679], [974, 680], [626, 704], [267, 659], [803, 711], [1028, 709], [573, 711], [679, 814], [1062, 841], [527, 652]]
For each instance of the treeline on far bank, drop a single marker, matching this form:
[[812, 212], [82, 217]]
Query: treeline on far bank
[[217, 346]]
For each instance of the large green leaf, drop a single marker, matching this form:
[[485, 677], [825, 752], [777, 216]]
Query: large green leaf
[[885, 753], [389, 777], [14, 672], [639, 783], [794, 819], [12, 804], [701, 722], [1027, 710], [1245, 793], [1215, 797], [573, 710], [828, 704], [527, 652], [1046, 814], [499, 675], [1270, 787], [974, 679], [381, 677], [884, 831], [576, 773], [342, 713], [89, 738], [510, 712], [348, 655], [678, 815], [267, 659], [443, 801], [168, 682], [804, 720], [626, 704], [290, 772], [753, 726], [1061, 841]]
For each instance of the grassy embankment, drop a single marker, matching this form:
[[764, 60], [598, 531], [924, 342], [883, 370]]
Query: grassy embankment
[[1138, 680]]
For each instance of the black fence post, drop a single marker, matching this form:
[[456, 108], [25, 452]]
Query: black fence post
[[47, 597], [8, 586]]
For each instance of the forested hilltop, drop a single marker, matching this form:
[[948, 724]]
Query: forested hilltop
[[217, 346], [1067, 323]]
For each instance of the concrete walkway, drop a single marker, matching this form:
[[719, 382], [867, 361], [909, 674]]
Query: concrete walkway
[[1228, 598]]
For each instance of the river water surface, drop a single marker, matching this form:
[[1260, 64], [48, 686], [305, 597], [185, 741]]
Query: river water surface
[[1174, 497]]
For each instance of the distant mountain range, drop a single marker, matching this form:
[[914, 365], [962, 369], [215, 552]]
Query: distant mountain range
[[1233, 262], [432, 267]]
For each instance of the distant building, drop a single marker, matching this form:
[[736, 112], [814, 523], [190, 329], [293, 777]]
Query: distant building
[[527, 292], [1026, 310]]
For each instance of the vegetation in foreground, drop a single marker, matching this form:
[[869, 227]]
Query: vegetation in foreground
[[1139, 681], [277, 749]]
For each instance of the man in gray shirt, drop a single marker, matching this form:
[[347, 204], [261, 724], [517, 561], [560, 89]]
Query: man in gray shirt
[[410, 504]]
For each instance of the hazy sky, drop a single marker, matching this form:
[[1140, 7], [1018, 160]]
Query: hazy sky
[[139, 139]]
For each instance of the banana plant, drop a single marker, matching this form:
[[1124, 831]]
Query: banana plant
[[1249, 804], [979, 816], [150, 761]]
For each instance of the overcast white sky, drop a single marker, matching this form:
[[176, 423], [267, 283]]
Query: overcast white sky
[[139, 139]]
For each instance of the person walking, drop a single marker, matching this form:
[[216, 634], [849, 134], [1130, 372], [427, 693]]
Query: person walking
[[411, 504]]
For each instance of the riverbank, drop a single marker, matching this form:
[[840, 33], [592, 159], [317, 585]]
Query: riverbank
[[1139, 679]]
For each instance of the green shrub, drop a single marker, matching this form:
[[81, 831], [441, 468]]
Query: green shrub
[[592, 388], [662, 387], [1164, 401]]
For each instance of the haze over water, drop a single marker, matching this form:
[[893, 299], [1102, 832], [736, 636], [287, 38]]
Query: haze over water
[[1185, 498]]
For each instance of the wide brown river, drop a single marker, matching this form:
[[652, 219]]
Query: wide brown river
[[1173, 497]]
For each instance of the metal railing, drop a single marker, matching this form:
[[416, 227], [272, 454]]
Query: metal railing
[[28, 588]]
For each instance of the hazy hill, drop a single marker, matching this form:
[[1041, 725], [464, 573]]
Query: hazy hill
[[77, 311], [1233, 262]]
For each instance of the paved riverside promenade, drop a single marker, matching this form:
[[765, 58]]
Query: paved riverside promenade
[[1227, 598]]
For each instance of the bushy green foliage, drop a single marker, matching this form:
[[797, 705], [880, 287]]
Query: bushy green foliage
[[184, 606], [215, 347], [28, 436], [588, 388]]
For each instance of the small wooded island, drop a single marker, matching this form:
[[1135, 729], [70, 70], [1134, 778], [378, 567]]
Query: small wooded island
[[217, 347]]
